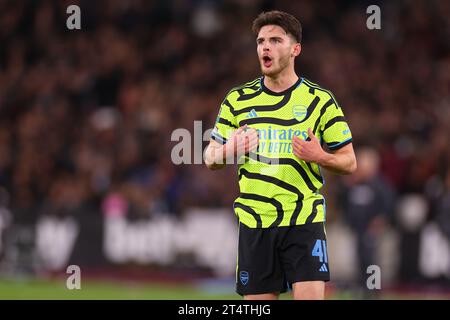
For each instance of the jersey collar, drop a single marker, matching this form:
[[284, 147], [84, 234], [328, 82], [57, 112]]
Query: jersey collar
[[281, 93]]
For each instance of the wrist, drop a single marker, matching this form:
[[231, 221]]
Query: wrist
[[325, 159]]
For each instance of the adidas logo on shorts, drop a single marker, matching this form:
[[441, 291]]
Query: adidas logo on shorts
[[323, 268]]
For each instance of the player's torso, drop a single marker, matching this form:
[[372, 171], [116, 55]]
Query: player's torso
[[274, 171]]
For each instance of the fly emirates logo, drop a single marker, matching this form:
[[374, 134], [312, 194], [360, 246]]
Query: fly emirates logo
[[278, 141]]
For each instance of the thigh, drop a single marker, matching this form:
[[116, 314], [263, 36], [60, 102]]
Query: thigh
[[304, 253], [259, 268]]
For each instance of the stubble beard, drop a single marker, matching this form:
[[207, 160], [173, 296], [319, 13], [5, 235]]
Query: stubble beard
[[283, 63]]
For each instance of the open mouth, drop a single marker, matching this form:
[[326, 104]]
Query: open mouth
[[267, 61]]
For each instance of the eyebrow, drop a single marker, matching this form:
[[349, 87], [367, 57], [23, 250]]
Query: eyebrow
[[274, 38]]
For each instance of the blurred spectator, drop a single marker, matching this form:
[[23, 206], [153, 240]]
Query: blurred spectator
[[443, 208], [5, 218], [367, 202]]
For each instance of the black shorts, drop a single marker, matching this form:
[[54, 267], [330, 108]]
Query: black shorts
[[271, 259]]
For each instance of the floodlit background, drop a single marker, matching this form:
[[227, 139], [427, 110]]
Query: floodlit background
[[86, 118]]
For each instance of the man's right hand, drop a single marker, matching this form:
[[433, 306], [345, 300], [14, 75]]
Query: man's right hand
[[241, 142]]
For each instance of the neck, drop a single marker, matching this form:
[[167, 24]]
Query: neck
[[281, 81]]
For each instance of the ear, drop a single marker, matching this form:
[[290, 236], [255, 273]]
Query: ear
[[297, 49]]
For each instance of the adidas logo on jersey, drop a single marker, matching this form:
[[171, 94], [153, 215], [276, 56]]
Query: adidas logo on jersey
[[252, 114], [323, 268]]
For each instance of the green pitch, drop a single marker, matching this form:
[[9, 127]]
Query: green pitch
[[55, 289], [92, 290]]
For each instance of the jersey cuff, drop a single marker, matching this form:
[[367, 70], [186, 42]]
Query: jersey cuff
[[217, 137], [337, 145]]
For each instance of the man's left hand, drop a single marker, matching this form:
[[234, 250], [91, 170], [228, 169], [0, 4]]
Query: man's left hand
[[309, 151]]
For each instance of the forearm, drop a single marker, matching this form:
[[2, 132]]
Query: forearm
[[339, 163]]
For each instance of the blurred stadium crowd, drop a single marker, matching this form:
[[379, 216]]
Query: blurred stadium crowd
[[88, 113]]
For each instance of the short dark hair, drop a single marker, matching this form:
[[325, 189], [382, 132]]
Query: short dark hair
[[288, 22]]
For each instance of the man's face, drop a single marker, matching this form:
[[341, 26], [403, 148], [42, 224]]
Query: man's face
[[276, 50]]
